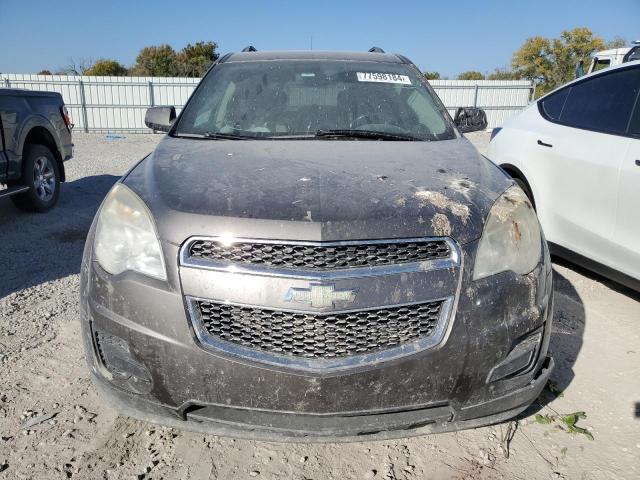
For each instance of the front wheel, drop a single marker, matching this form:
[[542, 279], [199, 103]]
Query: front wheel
[[41, 174]]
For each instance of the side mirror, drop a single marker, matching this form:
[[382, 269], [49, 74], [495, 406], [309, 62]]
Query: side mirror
[[470, 119], [160, 118]]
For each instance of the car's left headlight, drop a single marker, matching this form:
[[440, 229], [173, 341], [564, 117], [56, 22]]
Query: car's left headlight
[[126, 236], [511, 239]]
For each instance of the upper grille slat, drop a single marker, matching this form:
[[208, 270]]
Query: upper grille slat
[[320, 257], [319, 336]]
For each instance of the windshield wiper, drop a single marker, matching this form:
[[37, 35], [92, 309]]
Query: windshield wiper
[[215, 136], [228, 136], [371, 134]]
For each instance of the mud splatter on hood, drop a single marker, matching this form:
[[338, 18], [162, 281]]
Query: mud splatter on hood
[[318, 189]]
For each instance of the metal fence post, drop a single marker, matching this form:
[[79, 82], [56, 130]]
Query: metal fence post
[[83, 106], [151, 99], [475, 96], [533, 92]]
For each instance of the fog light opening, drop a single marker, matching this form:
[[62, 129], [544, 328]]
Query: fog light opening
[[122, 365], [520, 360]]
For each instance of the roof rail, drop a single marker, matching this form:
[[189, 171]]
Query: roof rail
[[376, 50], [250, 48]]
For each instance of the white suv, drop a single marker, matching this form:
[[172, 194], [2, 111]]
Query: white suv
[[576, 153]]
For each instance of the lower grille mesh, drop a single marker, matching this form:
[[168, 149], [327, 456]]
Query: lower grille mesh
[[319, 336]]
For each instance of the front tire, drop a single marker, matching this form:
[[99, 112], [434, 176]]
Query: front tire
[[41, 174]]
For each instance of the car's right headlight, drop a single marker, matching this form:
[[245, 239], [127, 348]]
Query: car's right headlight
[[511, 239], [126, 236]]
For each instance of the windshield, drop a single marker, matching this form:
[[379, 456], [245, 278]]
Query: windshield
[[314, 99]]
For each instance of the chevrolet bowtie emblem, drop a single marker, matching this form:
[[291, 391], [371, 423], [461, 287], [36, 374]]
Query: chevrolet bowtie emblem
[[319, 296]]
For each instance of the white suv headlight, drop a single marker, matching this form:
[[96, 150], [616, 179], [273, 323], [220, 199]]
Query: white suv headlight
[[126, 237], [511, 239]]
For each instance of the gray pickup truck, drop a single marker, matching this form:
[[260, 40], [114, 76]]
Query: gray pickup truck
[[35, 140]]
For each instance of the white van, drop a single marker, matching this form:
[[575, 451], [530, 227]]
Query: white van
[[615, 56]]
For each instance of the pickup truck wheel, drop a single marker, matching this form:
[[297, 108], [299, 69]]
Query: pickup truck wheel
[[40, 173]]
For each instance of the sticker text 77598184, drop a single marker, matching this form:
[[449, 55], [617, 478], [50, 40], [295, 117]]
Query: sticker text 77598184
[[383, 78]]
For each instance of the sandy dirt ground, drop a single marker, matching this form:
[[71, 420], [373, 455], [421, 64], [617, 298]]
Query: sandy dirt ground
[[53, 425]]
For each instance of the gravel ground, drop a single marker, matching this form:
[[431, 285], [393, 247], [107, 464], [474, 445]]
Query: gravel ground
[[53, 425]]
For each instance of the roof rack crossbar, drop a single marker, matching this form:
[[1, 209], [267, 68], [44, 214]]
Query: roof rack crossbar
[[250, 48], [376, 50]]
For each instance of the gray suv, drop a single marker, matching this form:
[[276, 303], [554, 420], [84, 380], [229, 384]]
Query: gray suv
[[314, 252]]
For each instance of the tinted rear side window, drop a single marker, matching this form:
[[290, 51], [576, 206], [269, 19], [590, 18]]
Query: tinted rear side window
[[603, 103], [552, 105], [634, 126]]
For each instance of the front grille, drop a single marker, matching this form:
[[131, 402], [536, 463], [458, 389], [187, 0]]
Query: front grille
[[318, 257], [319, 336]]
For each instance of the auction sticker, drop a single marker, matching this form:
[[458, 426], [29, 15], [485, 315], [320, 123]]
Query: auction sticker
[[383, 78]]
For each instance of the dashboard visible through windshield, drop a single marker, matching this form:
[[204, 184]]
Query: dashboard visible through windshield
[[314, 99]]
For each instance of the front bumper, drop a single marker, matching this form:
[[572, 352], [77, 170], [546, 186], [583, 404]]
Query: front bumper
[[447, 387], [345, 427]]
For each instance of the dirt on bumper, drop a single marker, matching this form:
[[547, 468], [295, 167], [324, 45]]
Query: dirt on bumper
[[446, 387], [292, 427]]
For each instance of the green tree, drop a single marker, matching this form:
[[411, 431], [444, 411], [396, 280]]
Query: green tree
[[533, 60], [156, 61], [107, 67], [471, 75], [503, 74], [195, 60], [432, 75], [617, 42], [551, 62]]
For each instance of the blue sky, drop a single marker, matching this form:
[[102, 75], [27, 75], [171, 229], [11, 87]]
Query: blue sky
[[447, 36]]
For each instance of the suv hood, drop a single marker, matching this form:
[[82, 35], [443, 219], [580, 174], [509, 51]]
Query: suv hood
[[318, 190]]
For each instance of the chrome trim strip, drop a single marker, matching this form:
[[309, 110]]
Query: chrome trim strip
[[314, 312], [424, 266], [321, 365], [7, 192]]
